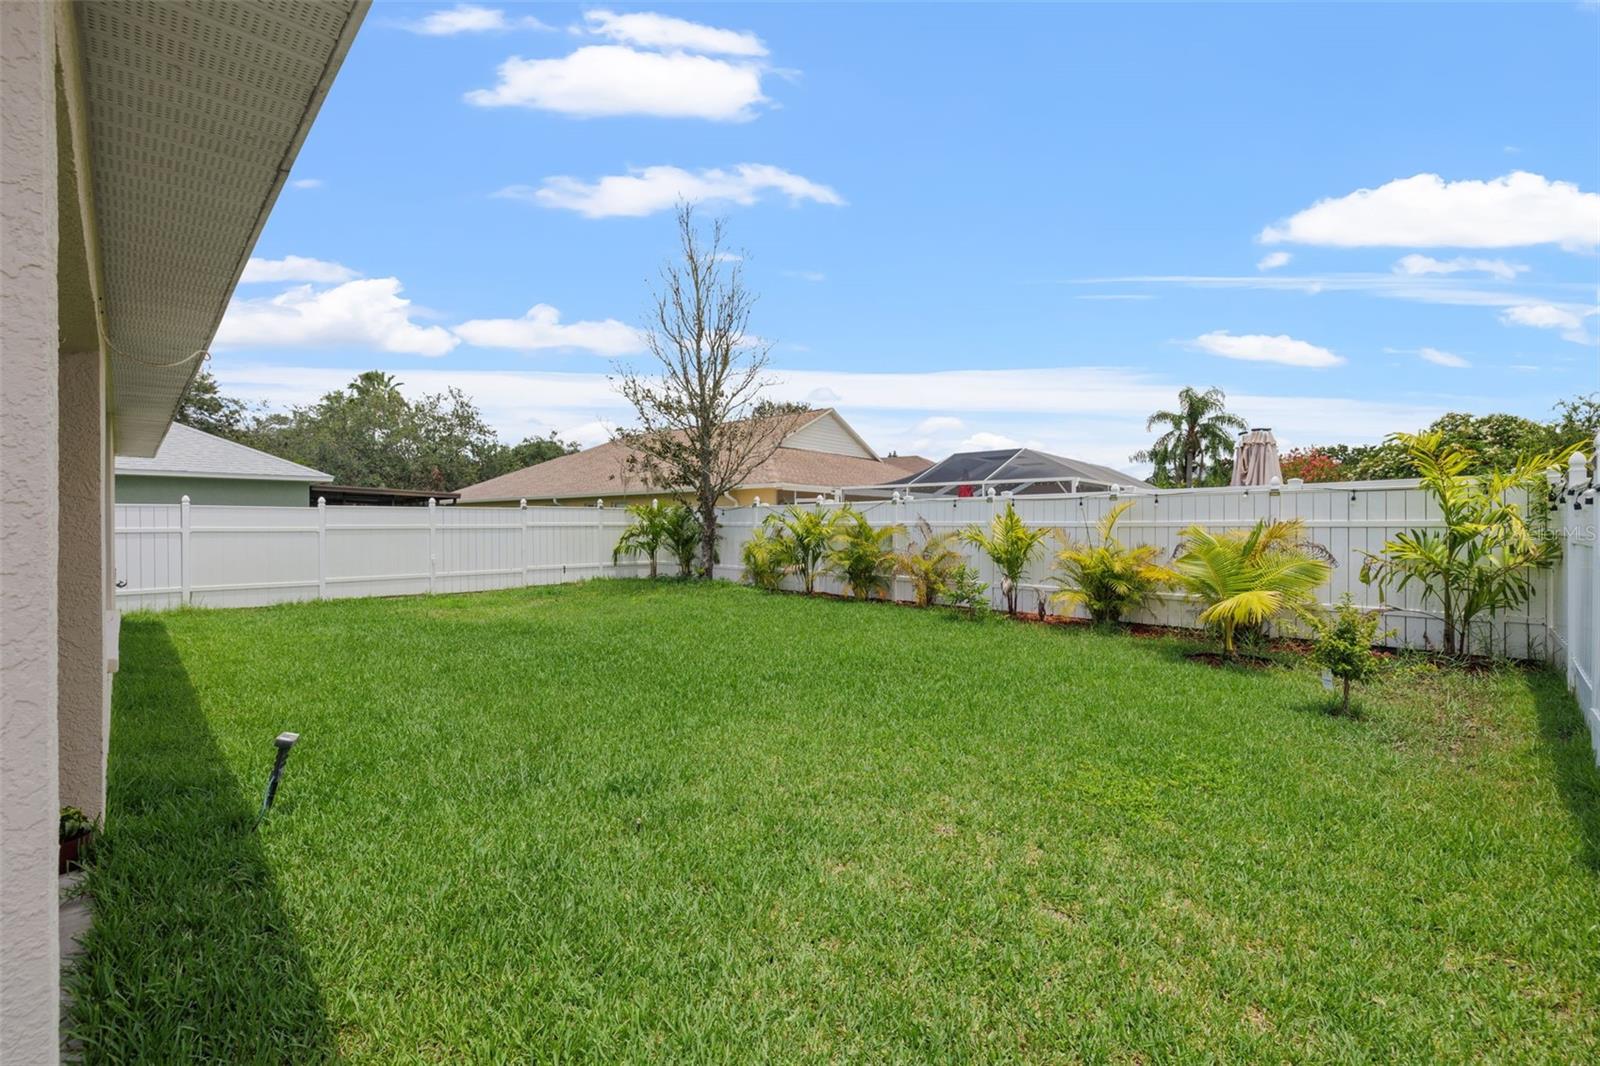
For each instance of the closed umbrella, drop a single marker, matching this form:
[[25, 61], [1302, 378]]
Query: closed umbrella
[[1256, 460]]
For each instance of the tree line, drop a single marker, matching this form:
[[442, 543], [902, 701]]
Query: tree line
[[368, 433], [1198, 438]]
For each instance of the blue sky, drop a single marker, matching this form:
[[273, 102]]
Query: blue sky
[[969, 225]]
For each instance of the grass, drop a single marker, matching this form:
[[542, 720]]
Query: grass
[[648, 822]]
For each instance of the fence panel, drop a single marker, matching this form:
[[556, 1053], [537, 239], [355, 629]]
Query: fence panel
[[1575, 634]]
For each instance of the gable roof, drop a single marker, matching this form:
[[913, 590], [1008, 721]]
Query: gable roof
[[606, 470], [189, 452], [603, 471]]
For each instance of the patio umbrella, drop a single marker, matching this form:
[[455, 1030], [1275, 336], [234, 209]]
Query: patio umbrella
[[1256, 460]]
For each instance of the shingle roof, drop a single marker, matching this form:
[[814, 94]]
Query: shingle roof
[[1005, 466], [193, 452], [603, 471]]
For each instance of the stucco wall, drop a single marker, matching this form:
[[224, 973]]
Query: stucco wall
[[29, 332], [139, 488], [83, 686]]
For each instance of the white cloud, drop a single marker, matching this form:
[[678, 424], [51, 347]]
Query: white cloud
[[1415, 265], [541, 328], [983, 442], [295, 268], [1439, 358], [603, 80], [470, 18], [1274, 260], [649, 30], [1568, 320], [646, 190], [1427, 211], [939, 424], [306, 183], [806, 275], [1260, 348], [369, 313]]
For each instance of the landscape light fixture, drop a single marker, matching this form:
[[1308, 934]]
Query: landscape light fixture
[[284, 742]]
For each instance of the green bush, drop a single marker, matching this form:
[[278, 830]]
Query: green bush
[[1344, 645], [766, 558], [967, 592], [1108, 578], [929, 563], [863, 554]]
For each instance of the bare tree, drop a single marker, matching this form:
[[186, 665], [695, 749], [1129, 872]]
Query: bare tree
[[701, 426]]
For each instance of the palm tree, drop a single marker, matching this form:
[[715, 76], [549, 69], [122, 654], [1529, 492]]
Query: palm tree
[[863, 554], [1010, 544], [1199, 432], [929, 564], [645, 534], [810, 533], [681, 533], [1246, 577], [1109, 578]]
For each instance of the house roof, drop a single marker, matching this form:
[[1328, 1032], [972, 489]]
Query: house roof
[[1017, 467], [191, 116], [604, 471], [189, 452]]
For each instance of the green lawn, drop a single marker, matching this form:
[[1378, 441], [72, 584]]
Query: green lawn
[[635, 822]]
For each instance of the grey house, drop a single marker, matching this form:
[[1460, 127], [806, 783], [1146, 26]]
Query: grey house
[[212, 470]]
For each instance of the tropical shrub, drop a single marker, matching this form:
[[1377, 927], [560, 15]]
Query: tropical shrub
[[1247, 577], [766, 559], [810, 532], [1312, 465], [681, 533], [1106, 577], [1344, 645], [929, 562], [1482, 556], [863, 554], [1010, 543], [966, 591], [646, 532]]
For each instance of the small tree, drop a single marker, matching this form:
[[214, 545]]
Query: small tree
[[1482, 555], [1344, 645], [809, 533], [1010, 543], [645, 533], [699, 427], [1196, 446], [684, 537], [929, 562], [1108, 578], [863, 554], [966, 592]]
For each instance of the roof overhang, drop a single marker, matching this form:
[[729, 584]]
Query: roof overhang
[[188, 118], [311, 478]]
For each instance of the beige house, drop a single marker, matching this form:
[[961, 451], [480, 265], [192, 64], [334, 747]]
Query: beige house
[[821, 453], [142, 145]]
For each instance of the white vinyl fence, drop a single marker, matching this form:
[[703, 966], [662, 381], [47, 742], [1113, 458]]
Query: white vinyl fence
[[1575, 631], [173, 554]]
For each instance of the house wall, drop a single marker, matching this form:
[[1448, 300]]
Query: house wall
[[84, 682], [826, 434], [233, 492], [29, 332]]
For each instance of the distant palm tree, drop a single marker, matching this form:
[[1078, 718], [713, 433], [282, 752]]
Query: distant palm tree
[[1199, 432]]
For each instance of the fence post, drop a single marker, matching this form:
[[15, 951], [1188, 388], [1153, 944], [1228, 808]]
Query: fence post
[[322, 547], [600, 533], [183, 547], [433, 536], [1577, 477], [526, 540]]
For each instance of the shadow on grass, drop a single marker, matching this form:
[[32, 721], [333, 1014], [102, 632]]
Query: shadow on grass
[[192, 957], [1565, 740]]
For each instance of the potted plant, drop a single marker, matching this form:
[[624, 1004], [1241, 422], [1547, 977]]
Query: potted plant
[[77, 831]]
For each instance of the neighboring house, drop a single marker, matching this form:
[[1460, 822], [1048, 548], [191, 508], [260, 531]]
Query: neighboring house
[[1021, 471], [142, 147], [817, 456], [213, 470]]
